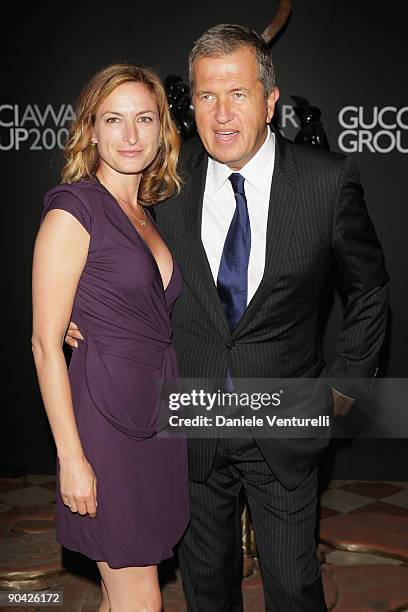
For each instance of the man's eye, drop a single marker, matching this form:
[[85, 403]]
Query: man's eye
[[238, 95], [206, 97]]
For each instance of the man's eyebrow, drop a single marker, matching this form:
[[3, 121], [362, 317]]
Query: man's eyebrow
[[143, 112], [207, 91]]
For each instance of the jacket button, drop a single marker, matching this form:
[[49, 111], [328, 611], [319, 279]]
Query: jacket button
[[230, 345]]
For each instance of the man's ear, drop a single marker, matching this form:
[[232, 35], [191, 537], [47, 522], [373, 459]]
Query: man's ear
[[271, 102]]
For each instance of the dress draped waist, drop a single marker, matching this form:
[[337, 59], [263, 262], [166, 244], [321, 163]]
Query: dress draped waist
[[104, 392]]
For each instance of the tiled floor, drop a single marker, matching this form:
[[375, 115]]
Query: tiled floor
[[363, 537]]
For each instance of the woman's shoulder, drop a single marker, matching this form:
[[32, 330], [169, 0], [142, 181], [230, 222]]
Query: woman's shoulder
[[76, 198], [84, 190]]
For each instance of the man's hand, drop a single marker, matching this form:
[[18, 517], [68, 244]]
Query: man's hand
[[342, 403], [73, 334]]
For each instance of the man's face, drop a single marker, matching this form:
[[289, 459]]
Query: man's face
[[231, 110]]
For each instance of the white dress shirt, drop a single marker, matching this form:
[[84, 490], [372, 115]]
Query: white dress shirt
[[219, 207]]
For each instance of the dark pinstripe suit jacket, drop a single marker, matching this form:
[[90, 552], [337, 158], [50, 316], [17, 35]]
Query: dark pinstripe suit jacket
[[317, 215]]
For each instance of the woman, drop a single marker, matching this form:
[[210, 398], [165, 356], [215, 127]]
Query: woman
[[99, 258]]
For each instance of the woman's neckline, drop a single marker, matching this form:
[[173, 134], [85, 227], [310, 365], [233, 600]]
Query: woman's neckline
[[106, 190]]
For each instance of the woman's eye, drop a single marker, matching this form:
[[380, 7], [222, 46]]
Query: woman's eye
[[112, 120], [145, 119]]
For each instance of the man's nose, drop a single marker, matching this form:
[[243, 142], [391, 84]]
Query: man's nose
[[130, 133], [223, 111]]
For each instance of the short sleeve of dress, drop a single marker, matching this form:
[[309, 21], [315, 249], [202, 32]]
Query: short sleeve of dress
[[76, 204]]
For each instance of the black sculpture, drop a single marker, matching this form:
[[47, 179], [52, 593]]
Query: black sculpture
[[311, 129], [179, 99]]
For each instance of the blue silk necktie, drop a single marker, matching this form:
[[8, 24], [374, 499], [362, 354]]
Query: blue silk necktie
[[232, 281]]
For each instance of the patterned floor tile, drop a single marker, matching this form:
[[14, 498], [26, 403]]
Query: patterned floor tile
[[329, 586], [27, 495], [325, 512], [400, 499], [333, 484], [12, 486], [254, 582], [365, 533], [372, 587], [254, 601], [79, 592], [342, 501], [32, 526], [368, 516], [398, 483], [342, 557], [171, 606], [376, 490], [39, 479], [382, 507], [172, 591], [20, 609], [51, 486]]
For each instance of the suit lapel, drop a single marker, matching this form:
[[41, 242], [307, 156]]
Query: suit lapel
[[193, 195], [281, 214]]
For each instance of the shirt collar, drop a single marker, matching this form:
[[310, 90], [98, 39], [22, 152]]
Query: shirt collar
[[255, 171]]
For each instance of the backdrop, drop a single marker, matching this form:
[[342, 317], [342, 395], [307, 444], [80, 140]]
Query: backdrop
[[347, 57]]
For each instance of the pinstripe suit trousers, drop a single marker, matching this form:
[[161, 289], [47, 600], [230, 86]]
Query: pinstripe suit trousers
[[284, 524]]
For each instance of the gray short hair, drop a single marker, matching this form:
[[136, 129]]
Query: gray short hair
[[227, 38]]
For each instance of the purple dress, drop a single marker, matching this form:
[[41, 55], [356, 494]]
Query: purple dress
[[123, 312]]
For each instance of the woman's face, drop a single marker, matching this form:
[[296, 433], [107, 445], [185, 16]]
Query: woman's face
[[127, 129]]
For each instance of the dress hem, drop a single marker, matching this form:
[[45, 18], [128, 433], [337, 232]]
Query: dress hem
[[119, 564]]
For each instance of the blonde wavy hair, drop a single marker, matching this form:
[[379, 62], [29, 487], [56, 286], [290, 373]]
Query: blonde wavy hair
[[160, 179]]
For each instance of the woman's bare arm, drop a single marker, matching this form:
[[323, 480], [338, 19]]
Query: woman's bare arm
[[60, 254]]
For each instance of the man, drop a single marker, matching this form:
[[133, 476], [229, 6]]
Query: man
[[254, 231]]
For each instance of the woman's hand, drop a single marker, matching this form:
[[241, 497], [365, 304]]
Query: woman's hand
[[73, 335], [78, 486]]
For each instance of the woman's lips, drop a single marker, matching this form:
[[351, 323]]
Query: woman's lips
[[226, 136], [129, 153]]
